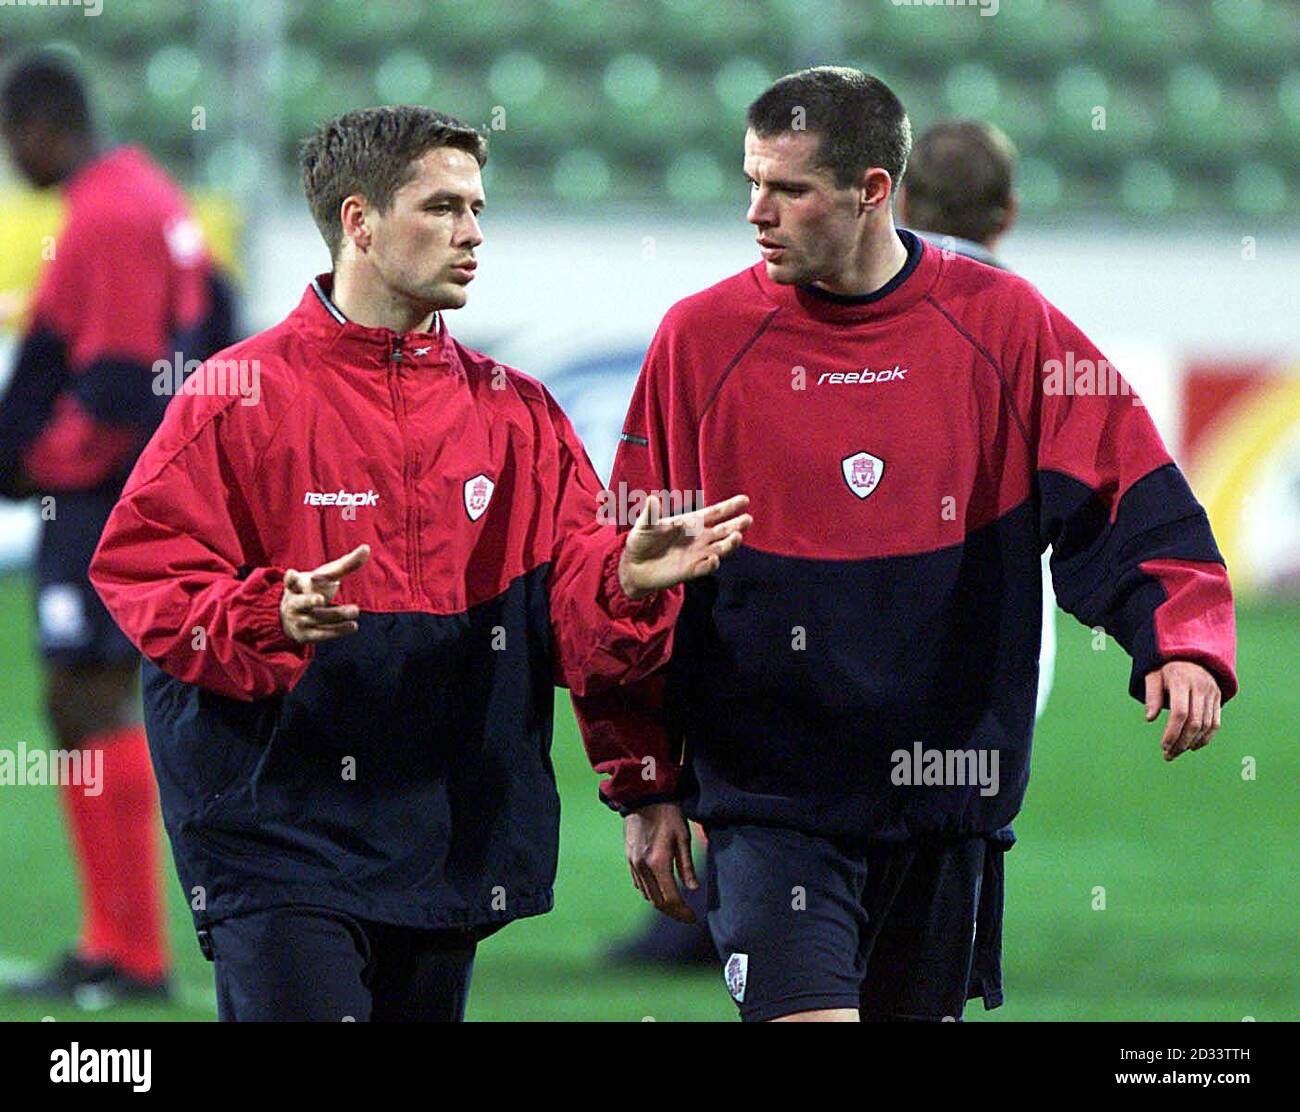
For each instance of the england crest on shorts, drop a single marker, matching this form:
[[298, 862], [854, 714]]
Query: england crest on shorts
[[736, 972], [478, 492], [862, 471]]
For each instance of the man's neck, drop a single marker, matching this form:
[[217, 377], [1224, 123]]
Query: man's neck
[[369, 307], [79, 154], [875, 262]]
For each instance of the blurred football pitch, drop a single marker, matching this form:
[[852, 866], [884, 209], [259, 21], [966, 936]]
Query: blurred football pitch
[[1200, 866]]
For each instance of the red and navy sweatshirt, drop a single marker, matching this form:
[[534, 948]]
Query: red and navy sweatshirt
[[402, 774], [130, 283], [908, 457]]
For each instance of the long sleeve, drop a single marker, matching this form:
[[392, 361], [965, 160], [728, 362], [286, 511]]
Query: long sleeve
[[107, 300], [629, 731], [40, 373], [602, 638], [177, 566], [1132, 548]]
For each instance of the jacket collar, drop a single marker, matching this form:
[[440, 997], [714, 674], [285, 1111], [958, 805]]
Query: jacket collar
[[322, 323]]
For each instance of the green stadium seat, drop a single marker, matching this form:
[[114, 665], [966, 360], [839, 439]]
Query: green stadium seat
[[1283, 114], [689, 31], [581, 174], [700, 177], [1079, 101], [738, 82], [1255, 36], [583, 31], [134, 27], [972, 89], [568, 111], [518, 77], [658, 90], [1039, 184], [1202, 121], [669, 118], [1260, 188], [1144, 36], [404, 77], [1023, 111], [1147, 187]]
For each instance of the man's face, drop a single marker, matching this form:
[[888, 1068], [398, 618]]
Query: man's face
[[423, 247], [34, 149], [807, 226]]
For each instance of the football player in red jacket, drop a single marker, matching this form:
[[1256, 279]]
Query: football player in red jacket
[[355, 586], [849, 706], [129, 283]]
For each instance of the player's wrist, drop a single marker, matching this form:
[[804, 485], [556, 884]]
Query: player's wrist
[[627, 579]]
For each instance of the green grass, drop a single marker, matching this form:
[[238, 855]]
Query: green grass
[[1199, 865]]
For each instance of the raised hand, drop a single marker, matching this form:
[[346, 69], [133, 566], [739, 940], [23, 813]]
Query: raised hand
[[663, 551], [306, 615]]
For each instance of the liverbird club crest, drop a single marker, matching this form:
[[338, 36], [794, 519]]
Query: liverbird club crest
[[478, 492], [736, 973], [862, 471]]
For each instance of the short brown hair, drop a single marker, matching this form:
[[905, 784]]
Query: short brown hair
[[370, 151], [861, 123], [960, 180]]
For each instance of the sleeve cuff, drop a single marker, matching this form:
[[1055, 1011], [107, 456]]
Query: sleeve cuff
[[1224, 677], [614, 600], [265, 633], [632, 805]]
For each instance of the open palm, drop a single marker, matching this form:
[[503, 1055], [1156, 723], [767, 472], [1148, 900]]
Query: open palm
[[663, 551]]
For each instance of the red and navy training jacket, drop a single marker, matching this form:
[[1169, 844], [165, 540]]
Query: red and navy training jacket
[[130, 283], [908, 459], [402, 774]]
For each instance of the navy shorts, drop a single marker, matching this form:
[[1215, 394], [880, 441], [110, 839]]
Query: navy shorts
[[313, 963], [899, 930], [74, 628]]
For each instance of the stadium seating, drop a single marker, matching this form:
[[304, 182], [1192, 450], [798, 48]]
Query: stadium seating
[[644, 101]]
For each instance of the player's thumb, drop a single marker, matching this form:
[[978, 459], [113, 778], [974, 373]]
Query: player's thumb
[[1155, 693], [648, 518]]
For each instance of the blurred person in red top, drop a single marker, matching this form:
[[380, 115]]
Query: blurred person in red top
[[130, 283]]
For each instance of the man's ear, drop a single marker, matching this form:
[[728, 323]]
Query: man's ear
[[873, 189], [1010, 213], [355, 220]]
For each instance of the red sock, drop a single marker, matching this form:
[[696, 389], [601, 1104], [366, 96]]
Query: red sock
[[121, 858], [91, 834]]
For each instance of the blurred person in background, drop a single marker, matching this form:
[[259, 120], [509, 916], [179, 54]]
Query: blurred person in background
[[959, 193], [959, 190], [130, 283]]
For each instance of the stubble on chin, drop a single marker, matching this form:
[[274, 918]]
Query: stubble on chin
[[787, 275]]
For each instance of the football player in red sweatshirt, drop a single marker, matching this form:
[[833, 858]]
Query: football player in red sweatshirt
[[130, 282], [849, 705], [355, 592]]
